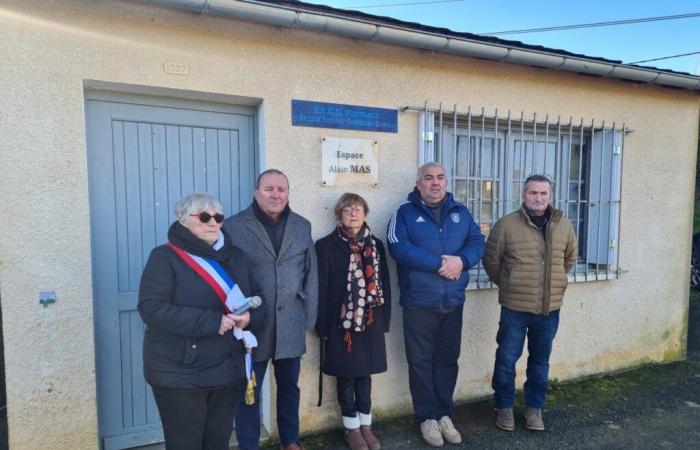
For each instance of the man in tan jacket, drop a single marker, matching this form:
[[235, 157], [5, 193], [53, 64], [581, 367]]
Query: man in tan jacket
[[528, 255]]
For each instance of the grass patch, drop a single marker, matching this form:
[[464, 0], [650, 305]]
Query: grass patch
[[609, 388], [592, 390]]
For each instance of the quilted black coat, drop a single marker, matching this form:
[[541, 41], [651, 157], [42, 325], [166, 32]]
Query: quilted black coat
[[182, 348]]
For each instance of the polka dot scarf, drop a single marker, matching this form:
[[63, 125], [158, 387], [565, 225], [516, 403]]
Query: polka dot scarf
[[364, 286]]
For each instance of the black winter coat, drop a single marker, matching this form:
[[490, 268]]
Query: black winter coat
[[182, 348], [368, 354]]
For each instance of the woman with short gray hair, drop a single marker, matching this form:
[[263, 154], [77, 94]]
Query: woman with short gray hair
[[189, 288], [199, 201]]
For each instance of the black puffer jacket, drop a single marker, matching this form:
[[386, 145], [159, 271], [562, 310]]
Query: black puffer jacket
[[182, 348]]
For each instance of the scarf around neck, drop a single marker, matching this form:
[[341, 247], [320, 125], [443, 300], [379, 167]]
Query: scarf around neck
[[364, 288], [181, 236]]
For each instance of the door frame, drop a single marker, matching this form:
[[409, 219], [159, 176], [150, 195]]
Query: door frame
[[179, 99]]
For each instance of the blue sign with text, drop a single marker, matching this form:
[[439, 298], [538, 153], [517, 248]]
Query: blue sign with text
[[347, 117]]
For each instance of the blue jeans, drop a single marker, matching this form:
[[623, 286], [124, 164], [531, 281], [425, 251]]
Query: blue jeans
[[248, 416], [433, 340], [512, 329]]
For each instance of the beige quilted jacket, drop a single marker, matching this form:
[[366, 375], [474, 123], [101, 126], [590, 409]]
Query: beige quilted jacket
[[531, 272]]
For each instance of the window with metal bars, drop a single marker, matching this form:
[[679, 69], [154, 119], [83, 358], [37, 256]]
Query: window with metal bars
[[488, 157]]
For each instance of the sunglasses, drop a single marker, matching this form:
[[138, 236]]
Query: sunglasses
[[205, 217]]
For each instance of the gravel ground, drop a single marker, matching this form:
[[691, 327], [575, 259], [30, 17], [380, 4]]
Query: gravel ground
[[653, 407]]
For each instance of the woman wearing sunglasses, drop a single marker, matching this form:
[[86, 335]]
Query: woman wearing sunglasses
[[192, 360], [354, 307]]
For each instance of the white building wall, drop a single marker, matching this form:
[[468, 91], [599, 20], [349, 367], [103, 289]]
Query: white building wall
[[51, 49]]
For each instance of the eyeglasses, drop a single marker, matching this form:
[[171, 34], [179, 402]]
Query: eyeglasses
[[355, 209], [205, 217]]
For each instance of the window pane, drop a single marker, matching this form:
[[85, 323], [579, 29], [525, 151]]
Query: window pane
[[485, 209], [574, 188], [574, 166], [462, 152], [474, 162], [487, 188], [460, 191], [487, 164], [516, 160]]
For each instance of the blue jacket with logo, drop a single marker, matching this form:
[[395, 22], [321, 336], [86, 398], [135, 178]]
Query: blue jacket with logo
[[417, 243]]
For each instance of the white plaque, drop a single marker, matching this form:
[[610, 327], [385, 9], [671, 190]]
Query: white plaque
[[349, 161]]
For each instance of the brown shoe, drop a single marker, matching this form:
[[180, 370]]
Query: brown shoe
[[370, 438], [355, 440], [533, 419], [292, 446], [505, 420]]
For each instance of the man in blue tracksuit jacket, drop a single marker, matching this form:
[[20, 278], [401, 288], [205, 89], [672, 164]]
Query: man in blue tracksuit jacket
[[434, 241]]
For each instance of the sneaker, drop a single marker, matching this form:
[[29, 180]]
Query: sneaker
[[533, 419], [430, 429], [505, 420], [354, 439], [449, 432], [370, 438]]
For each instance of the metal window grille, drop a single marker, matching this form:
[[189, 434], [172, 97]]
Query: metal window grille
[[488, 157]]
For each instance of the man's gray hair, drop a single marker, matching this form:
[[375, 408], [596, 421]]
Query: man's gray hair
[[195, 203], [421, 169], [538, 178], [267, 172]]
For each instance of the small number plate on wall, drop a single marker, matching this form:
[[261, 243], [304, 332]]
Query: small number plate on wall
[[176, 68]]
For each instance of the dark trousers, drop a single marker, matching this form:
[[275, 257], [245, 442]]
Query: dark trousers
[[197, 420], [512, 329], [248, 416], [354, 395], [433, 341]]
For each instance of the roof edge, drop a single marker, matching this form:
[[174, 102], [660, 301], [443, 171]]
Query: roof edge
[[372, 28]]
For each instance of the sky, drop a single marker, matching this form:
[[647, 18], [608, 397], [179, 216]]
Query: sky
[[628, 43]]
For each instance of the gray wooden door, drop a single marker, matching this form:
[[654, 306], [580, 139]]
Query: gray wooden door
[[143, 156]]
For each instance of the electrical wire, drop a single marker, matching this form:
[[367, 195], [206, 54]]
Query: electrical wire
[[595, 24], [558, 28], [665, 57]]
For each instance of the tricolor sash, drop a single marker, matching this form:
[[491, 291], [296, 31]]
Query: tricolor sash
[[231, 298], [215, 276]]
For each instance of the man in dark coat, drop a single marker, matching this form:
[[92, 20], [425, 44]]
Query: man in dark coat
[[281, 252], [434, 241]]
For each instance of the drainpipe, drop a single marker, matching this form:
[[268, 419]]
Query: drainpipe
[[365, 29]]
